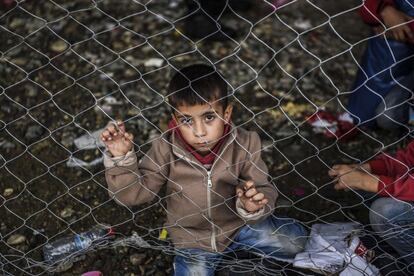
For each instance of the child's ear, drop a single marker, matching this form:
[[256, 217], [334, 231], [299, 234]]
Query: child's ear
[[227, 113]]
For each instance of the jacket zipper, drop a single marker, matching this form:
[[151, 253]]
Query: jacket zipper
[[209, 186], [213, 229]]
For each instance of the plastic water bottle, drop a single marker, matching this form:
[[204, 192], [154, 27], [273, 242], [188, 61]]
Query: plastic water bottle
[[59, 250]]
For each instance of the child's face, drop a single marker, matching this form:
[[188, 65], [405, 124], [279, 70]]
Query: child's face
[[202, 125]]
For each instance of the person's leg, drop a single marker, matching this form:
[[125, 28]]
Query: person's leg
[[394, 110], [195, 262], [393, 220], [384, 61], [280, 238]]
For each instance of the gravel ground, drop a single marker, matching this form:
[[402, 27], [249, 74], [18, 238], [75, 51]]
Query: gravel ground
[[68, 67]]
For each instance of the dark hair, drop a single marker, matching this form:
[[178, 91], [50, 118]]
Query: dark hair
[[197, 84]]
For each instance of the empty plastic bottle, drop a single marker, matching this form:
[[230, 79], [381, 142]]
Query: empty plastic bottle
[[59, 250]]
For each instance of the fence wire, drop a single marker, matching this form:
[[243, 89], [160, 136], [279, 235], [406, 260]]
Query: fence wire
[[67, 68]]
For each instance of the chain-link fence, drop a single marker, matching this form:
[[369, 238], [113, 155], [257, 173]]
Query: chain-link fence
[[67, 68]]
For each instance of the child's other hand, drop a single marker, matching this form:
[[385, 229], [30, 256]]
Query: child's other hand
[[116, 139], [393, 17], [350, 177], [251, 199]]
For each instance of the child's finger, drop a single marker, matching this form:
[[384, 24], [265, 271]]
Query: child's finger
[[338, 186], [336, 167], [239, 192], [112, 129], [258, 197], [248, 185], [408, 33], [332, 173], [129, 136], [121, 126], [251, 192], [263, 201], [105, 134]]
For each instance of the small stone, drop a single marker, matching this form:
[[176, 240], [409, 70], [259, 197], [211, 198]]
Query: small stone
[[137, 259], [16, 22], [67, 212], [16, 239], [156, 62], [58, 46], [33, 132], [302, 24], [8, 192]]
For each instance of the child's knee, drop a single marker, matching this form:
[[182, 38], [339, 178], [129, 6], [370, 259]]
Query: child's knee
[[385, 211], [190, 266], [287, 234]]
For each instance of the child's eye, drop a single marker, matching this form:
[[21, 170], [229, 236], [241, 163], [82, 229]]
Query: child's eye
[[186, 121], [210, 118]]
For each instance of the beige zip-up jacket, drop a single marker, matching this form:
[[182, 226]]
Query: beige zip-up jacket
[[203, 209]]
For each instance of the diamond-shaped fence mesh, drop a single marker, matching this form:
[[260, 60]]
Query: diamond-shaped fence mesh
[[67, 68]]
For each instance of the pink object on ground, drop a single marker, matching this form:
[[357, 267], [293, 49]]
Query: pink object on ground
[[279, 3], [299, 192], [92, 273]]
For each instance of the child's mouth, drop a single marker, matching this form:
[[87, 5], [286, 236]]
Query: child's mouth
[[204, 144]]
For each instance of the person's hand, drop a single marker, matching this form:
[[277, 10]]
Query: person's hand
[[364, 167], [393, 17], [116, 139], [350, 177], [251, 199]]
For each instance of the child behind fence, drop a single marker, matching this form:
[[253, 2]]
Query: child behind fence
[[219, 198], [388, 181]]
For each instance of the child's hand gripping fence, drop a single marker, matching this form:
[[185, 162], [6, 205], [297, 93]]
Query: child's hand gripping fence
[[69, 67]]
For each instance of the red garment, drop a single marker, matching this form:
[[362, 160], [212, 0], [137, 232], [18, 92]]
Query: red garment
[[370, 11], [395, 173], [209, 158]]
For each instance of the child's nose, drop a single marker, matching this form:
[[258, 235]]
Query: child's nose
[[199, 130]]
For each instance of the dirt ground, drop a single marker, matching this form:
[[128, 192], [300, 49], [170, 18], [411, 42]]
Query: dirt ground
[[68, 67]]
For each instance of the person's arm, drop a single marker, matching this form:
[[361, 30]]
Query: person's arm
[[382, 14], [370, 11], [397, 165], [133, 183], [254, 169], [349, 177], [398, 187], [354, 177]]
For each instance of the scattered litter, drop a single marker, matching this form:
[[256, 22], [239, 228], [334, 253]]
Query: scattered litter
[[154, 62], [334, 248], [137, 259], [173, 3], [76, 162], [33, 132], [108, 103], [302, 24], [92, 273], [90, 141], [7, 145], [67, 212], [163, 234], [134, 240]]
